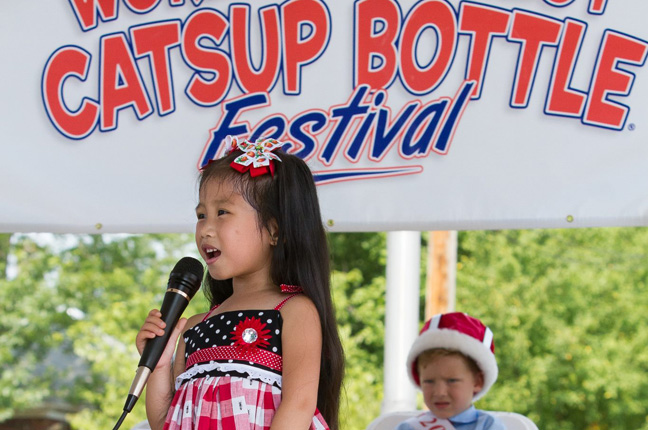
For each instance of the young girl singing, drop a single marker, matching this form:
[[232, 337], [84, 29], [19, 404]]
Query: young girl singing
[[267, 354]]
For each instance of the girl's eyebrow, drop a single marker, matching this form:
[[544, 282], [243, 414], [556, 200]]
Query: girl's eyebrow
[[217, 201]]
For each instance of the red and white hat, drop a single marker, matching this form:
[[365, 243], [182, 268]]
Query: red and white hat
[[463, 333]]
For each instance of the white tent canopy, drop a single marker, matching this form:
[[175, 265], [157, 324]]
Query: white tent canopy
[[429, 115]]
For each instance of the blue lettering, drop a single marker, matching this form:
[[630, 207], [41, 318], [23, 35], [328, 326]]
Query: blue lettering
[[346, 113], [226, 124], [429, 118], [385, 135], [450, 123], [319, 121], [275, 123]]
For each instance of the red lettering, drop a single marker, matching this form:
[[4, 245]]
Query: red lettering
[[432, 424], [597, 7], [299, 49], [559, 3], [120, 83], [533, 32], [562, 100], [154, 41], [64, 63], [86, 12], [212, 25], [253, 80], [482, 23], [141, 6], [438, 15], [377, 24], [608, 79]]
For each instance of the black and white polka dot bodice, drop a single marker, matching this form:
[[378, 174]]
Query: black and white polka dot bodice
[[244, 343]]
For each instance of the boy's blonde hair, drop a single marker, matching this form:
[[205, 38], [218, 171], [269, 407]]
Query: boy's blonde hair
[[429, 355]]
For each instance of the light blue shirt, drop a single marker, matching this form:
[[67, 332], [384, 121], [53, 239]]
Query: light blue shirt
[[470, 419]]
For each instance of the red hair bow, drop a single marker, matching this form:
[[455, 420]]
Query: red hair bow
[[257, 157]]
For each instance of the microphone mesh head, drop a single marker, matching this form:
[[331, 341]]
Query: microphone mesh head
[[187, 273], [189, 265]]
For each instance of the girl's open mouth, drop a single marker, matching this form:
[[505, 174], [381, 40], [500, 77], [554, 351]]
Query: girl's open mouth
[[211, 253]]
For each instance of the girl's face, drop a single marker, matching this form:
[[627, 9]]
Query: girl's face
[[228, 235], [448, 385]]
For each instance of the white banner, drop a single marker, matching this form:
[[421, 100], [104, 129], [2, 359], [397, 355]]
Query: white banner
[[413, 115]]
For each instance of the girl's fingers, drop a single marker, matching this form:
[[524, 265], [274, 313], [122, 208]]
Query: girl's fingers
[[154, 327], [149, 334]]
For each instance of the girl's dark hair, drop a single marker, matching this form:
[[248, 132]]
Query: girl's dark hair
[[300, 258]]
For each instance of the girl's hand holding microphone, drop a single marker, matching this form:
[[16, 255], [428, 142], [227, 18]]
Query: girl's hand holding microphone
[[154, 326]]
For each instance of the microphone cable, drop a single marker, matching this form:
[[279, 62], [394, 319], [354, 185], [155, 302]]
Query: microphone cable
[[121, 420]]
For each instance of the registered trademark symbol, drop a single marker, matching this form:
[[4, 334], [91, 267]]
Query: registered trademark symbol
[[631, 126]]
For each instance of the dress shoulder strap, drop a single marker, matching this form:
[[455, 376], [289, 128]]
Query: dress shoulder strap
[[283, 302], [293, 290], [210, 311]]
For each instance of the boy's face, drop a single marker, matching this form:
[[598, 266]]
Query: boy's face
[[448, 385]]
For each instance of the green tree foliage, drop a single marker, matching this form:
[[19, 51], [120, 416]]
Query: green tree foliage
[[30, 326], [69, 320], [567, 308], [568, 311], [5, 243], [114, 283], [358, 284]]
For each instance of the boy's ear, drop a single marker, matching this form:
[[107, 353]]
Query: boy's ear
[[479, 383]]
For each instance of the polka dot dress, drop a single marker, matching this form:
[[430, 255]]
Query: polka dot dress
[[233, 373]]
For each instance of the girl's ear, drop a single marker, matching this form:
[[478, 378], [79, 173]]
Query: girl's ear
[[273, 229]]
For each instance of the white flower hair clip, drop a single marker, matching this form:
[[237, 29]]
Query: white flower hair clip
[[257, 157]]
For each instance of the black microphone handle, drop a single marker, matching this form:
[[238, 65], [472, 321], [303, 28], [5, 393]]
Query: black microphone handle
[[184, 282], [173, 306], [174, 303]]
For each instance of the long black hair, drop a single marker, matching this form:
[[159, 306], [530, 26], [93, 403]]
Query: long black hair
[[301, 256]]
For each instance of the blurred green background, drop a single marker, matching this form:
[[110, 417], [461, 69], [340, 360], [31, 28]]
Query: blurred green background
[[567, 307]]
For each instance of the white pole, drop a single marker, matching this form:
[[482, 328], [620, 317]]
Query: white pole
[[401, 318]]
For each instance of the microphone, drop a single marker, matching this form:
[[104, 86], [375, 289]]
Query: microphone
[[184, 282]]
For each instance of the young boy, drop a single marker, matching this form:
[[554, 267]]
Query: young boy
[[453, 363]]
